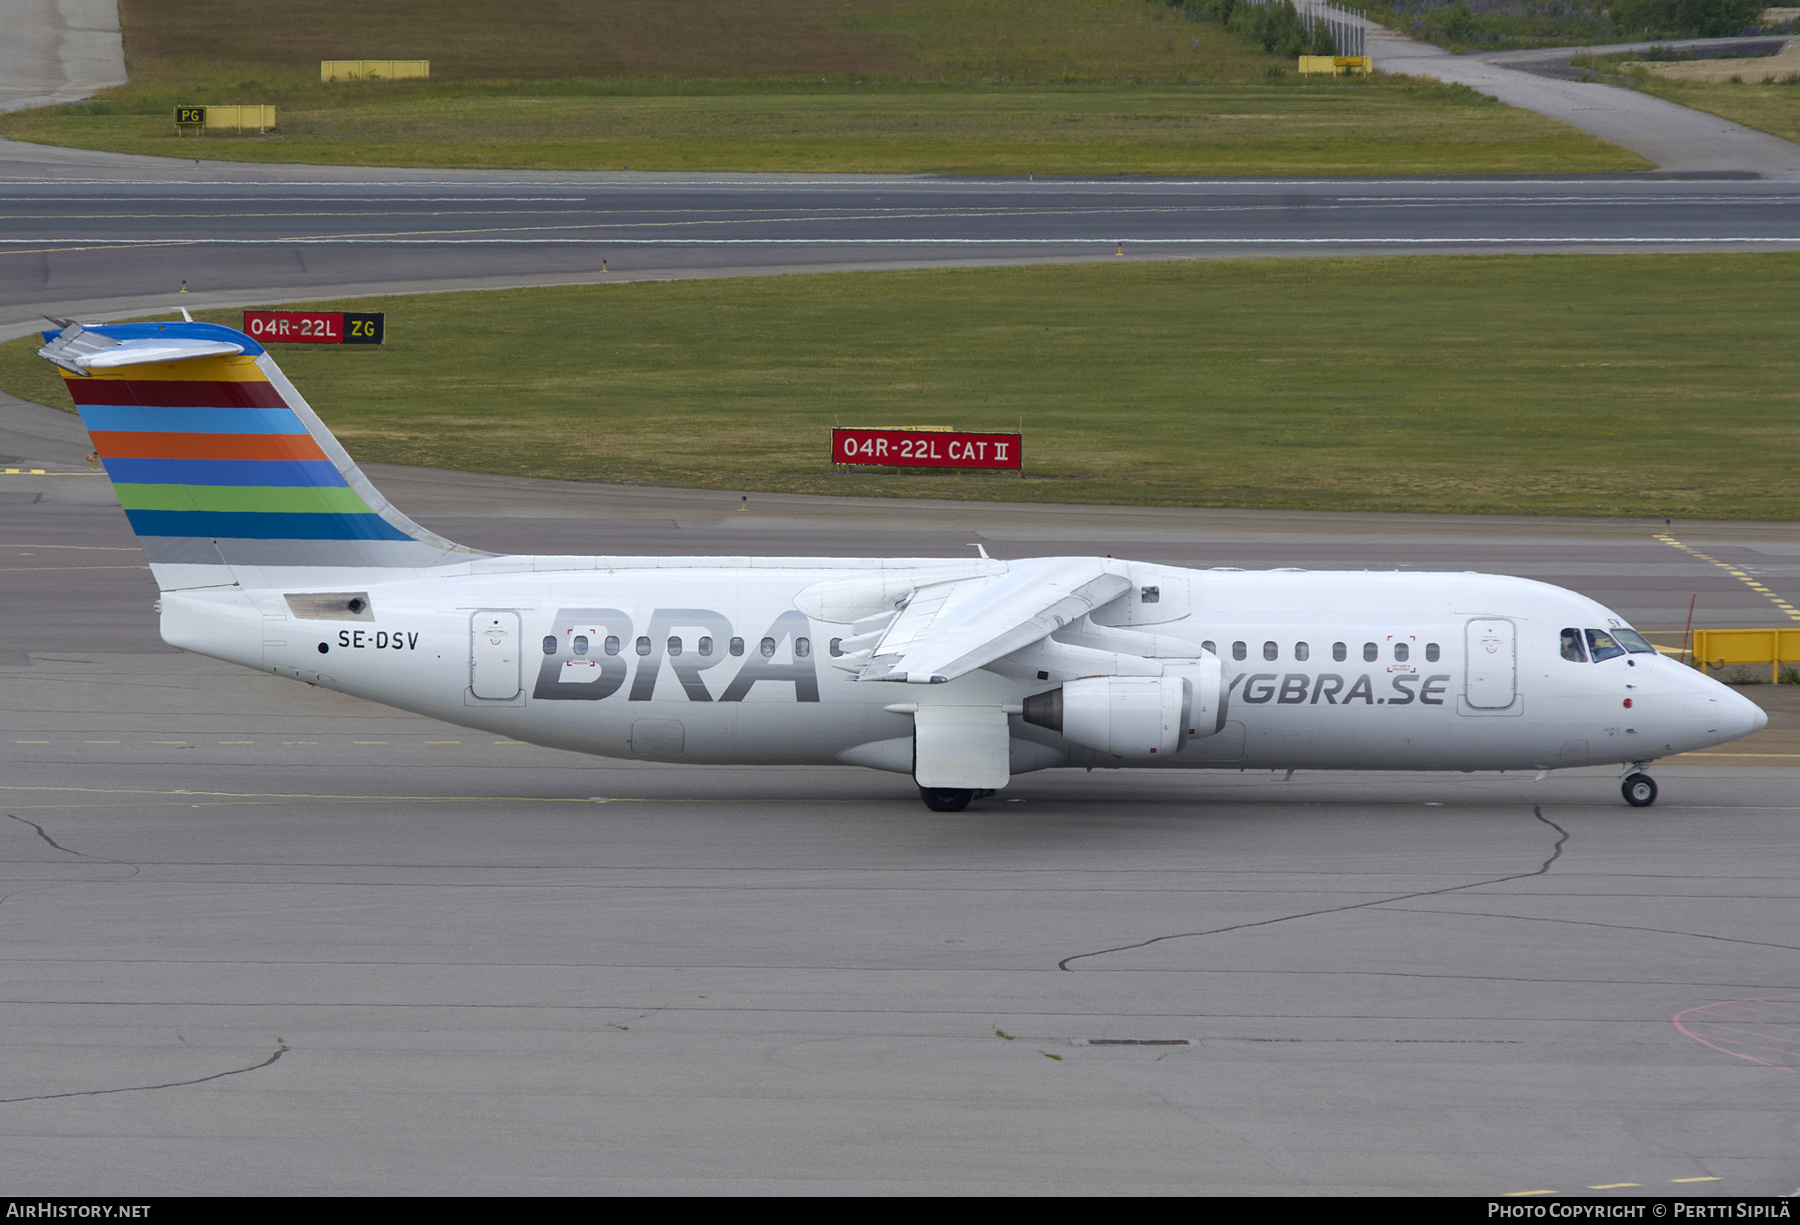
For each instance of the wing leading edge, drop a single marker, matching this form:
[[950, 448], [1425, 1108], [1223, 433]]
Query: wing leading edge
[[952, 628]]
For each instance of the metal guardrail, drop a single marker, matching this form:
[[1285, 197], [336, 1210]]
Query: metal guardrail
[[1746, 648], [373, 70]]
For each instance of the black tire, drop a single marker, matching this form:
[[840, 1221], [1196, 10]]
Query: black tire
[[1639, 790], [946, 799]]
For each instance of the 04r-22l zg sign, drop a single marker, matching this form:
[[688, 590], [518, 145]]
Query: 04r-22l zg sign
[[317, 327], [925, 449]]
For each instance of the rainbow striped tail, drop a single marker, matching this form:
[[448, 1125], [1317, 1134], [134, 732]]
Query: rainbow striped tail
[[221, 465]]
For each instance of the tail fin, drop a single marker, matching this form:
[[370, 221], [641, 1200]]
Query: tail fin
[[221, 465]]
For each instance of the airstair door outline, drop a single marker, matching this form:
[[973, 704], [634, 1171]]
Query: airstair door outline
[[1492, 663], [494, 654]]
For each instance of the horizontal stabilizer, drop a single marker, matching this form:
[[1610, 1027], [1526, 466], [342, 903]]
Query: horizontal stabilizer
[[82, 352]]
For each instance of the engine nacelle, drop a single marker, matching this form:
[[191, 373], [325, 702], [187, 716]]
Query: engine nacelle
[[1136, 716], [1127, 716], [1204, 698]]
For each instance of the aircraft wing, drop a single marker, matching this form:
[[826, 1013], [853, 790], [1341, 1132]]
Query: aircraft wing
[[951, 628]]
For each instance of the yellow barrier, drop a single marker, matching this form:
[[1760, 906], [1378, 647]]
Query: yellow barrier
[[1335, 65], [1726, 648], [373, 70], [197, 119]]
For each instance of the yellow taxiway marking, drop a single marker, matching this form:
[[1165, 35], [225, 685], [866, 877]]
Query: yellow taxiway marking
[[1733, 571], [1702, 1178], [99, 742], [1737, 754], [31, 742], [1613, 1186]]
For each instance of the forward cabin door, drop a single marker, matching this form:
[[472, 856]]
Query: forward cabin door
[[494, 654], [1493, 663]]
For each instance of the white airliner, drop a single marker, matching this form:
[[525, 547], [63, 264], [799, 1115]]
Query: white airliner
[[274, 551]]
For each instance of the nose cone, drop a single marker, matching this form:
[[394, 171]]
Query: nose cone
[[1719, 714], [1741, 716]]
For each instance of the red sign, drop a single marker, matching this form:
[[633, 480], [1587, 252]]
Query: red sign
[[315, 327], [925, 449]]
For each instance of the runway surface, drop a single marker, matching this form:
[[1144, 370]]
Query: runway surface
[[265, 938], [97, 248]]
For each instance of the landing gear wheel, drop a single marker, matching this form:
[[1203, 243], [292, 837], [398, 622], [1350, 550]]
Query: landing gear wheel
[[946, 799], [1639, 790]]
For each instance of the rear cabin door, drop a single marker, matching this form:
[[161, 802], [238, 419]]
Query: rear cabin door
[[494, 654], [1492, 663]]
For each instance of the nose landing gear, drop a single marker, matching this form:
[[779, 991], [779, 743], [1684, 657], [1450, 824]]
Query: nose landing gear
[[1639, 790]]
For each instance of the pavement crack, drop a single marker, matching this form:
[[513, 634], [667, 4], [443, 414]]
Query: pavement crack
[[173, 1084], [1536, 811], [1623, 927], [44, 834]]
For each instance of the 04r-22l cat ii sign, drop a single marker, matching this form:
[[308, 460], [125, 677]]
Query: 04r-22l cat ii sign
[[274, 551]]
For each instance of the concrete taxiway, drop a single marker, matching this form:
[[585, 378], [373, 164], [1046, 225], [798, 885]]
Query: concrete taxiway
[[264, 938]]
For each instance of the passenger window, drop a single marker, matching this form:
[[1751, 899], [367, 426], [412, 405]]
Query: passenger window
[[1271, 651], [767, 647], [1601, 645], [581, 644], [737, 646], [1571, 647], [612, 644], [1210, 647], [1431, 652], [837, 648], [706, 646], [643, 646], [1302, 651], [1371, 652], [1340, 652], [549, 644], [1401, 652], [674, 646], [802, 647], [1239, 651]]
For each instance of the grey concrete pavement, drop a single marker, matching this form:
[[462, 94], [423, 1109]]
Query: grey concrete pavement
[[99, 250], [266, 939], [54, 51], [1677, 139]]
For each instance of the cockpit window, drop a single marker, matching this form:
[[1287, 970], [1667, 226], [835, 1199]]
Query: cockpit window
[[1634, 642], [1601, 645], [1572, 650]]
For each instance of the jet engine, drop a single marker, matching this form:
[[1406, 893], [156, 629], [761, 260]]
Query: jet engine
[[1134, 716]]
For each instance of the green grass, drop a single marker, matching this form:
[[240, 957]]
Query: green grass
[[1594, 385], [1323, 128], [894, 86], [1773, 107]]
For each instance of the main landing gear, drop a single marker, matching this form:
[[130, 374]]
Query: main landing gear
[[946, 799], [1638, 788]]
